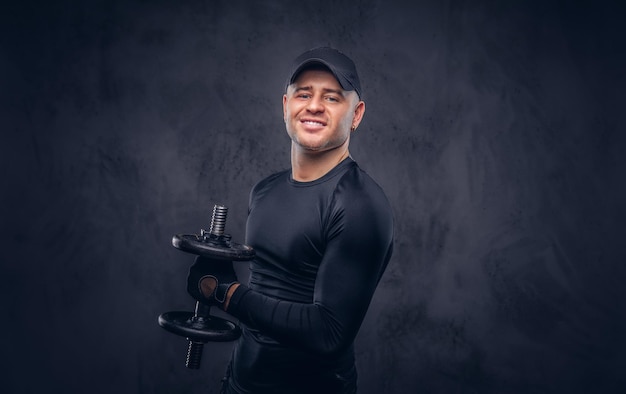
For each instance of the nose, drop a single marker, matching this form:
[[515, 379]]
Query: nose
[[315, 105]]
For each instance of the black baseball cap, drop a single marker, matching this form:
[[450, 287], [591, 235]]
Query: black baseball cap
[[340, 65]]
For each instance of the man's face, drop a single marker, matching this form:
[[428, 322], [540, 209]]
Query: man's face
[[319, 114]]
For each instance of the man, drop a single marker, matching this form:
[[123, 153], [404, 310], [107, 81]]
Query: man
[[323, 235]]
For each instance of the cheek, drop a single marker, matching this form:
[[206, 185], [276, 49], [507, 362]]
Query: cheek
[[289, 111], [346, 119]]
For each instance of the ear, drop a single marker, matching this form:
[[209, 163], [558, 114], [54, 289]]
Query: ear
[[359, 111], [285, 107]]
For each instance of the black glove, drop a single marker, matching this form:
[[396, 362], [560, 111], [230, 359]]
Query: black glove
[[209, 280]]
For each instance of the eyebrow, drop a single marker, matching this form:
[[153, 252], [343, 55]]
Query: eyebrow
[[326, 90]]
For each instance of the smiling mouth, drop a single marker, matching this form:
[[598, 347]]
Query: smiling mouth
[[313, 123]]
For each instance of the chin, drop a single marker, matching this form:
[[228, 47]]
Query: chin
[[312, 148], [311, 145]]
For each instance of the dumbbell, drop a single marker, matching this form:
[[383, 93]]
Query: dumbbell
[[199, 326]]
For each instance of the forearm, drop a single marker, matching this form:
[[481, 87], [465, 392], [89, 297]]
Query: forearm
[[331, 321], [312, 327]]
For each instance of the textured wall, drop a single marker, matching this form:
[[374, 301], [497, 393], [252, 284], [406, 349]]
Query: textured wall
[[495, 129]]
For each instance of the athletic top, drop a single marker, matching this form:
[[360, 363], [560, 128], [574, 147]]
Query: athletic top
[[321, 248]]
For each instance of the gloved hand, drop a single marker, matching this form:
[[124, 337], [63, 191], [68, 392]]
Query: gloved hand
[[209, 280]]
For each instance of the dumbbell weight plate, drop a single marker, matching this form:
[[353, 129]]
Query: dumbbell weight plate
[[193, 243], [203, 329]]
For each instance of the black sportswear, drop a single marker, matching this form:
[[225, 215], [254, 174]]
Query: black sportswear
[[321, 248]]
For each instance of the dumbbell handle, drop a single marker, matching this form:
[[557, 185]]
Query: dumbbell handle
[[194, 351]]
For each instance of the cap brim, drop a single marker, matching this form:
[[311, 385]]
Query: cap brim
[[343, 81]]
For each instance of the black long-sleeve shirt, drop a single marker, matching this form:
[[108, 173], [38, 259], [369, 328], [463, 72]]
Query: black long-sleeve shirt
[[321, 248]]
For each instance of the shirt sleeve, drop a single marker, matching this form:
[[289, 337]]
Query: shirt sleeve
[[359, 246]]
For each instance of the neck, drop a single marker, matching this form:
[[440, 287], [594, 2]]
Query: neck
[[307, 166]]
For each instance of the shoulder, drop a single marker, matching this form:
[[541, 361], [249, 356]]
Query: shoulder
[[270, 180], [360, 211], [358, 183], [359, 192], [267, 183]]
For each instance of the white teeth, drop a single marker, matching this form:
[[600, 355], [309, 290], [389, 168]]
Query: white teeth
[[313, 123]]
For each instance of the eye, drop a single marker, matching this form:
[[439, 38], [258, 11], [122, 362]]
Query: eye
[[303, 95], [332, 99]]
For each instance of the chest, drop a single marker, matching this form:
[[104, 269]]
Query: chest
[[288, 228]]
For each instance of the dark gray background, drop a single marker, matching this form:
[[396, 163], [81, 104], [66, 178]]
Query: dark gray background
[[496, 129]]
